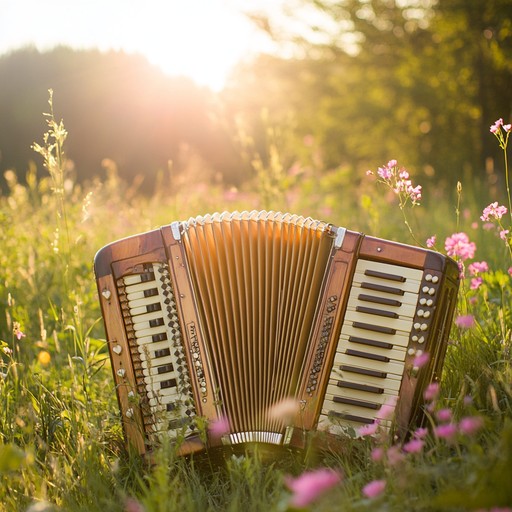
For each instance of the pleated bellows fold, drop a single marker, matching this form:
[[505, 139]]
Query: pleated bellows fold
[[257, 278]]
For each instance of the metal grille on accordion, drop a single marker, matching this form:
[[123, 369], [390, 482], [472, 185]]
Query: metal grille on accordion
[[227, 315]]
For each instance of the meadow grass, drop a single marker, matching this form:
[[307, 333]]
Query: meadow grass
[[61, 444]]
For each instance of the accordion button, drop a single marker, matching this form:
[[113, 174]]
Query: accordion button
[[423, 301], [432, 291], [426, 314], [424, 327], [425, 289], [430, 302], [428, 277], [417, 326], [435, 279], [421, 339], [420, 312], [414, 338]]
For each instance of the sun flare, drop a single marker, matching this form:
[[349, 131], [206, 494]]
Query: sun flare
[[202, 39]]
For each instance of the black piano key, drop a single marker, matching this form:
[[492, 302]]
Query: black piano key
[[170, 407], [382, 288], [169, 383], [153, 307], [378, 312], [371, 343], [147, 276], [156, 322], [384, 275], [379, 300], [162, 336], [350, 417], [152, 292], [360, 387], [376, 328], [162, 353], [166, 368], [363, 371], [357, 403], [367, 355]]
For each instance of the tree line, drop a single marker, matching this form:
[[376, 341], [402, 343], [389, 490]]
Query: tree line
[[418, 80]]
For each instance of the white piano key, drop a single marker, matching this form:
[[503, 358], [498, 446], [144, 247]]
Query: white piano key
[[400, 339], [164, 400], [141, 310], [157, 378], [407, 286], [412, 274], [142, 321], [140, 287], [391, 382], [394, 367], [151, 348], [391, 323], [148, 332], [407, 307], [151, 365], [396, 353], [407, 298], [135, 279], [143, 302], [155, 392], [355, 394]]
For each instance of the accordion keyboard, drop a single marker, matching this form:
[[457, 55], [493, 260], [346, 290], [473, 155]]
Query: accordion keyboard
[[373, 344], [152, 325]]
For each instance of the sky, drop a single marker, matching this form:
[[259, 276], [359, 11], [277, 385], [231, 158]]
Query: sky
[[202, 39]]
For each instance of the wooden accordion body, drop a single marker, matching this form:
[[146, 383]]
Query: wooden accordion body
[[227, 315]]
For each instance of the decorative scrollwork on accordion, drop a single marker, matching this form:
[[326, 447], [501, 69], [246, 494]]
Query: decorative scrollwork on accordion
[[227, 315]]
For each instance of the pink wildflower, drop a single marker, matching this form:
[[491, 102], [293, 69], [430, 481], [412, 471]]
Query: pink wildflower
[[510, 271], [377, 454], [420, 433], [476, 282], [421, 360], [374, 489], [310, 485], [219, 427], [459, 245], [446, 431], [388, 408], [503, 234], [132, 505], [507, 127], [493, 212], [444, 415], [395, 455], [385, 173], [496, 126], [471, 425], [477, 267], [431, 242], [465, 321], [16, 329], [369, 173], [414, 446], [368, 430], [431, 391]]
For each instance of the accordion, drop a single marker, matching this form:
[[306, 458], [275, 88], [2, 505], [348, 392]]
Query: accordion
[[224, 316]]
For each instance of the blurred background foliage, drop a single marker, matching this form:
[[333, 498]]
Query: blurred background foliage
[[361, 82]]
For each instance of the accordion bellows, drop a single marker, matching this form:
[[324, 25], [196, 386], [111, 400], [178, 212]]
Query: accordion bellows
[[226, 316]]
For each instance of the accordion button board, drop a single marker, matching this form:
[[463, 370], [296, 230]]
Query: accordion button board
[[225, 316]]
